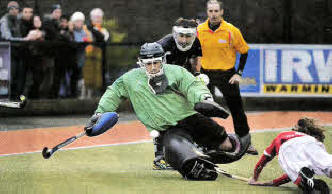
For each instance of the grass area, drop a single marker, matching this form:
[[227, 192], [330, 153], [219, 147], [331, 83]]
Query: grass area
[[127, 169]]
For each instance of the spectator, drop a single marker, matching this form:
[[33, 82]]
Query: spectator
[[93, 68], [64, 61], [26, 20], [37, 30], [51, 23], [51, 26], [100, 34], [65, 33], [36, 59], [81, 34], [25, 25], [10, 30]]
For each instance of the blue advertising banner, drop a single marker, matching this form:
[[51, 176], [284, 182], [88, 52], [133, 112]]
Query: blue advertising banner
[[4, 69], [250, 83], [297, 70], [288, 70]]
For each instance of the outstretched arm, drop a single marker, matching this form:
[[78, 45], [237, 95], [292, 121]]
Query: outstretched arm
[[268, 155], [113, 96], [260, 165], [283, 179], [105, 116]]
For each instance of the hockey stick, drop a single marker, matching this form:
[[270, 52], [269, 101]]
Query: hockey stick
[[99, 124], [223, 172], [47, 153], [13, 104]]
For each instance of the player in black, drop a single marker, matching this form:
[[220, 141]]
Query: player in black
[[182, 48]]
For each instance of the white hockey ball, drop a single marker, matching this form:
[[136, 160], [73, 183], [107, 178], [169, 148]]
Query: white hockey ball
[[154, 133]]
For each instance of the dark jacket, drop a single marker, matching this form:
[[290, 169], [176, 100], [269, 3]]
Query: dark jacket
[[25, 27], [52, 29]]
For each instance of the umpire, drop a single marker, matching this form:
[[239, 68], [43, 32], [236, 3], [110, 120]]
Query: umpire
[[220, 41]]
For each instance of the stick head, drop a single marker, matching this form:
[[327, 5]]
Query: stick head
[[46, 153]]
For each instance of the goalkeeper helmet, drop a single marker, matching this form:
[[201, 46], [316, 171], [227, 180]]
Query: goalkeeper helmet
[[152, 57]]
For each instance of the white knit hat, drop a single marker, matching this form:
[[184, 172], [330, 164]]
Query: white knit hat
[[77, 16]]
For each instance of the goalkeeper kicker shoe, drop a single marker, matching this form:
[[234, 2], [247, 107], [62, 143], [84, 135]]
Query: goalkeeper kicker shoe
[[199, 170], [161, 164]]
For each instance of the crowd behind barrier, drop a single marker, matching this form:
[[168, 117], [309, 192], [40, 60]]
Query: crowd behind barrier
[[55, 55], [35, 74]]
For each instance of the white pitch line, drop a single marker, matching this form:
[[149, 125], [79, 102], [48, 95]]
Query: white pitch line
[[81, 147], [145, 141]]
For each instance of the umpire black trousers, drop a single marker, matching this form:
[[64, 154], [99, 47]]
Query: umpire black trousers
[[231, 93]]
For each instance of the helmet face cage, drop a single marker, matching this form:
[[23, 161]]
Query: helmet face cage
[[150, 54], [152, 61], [184, 37]]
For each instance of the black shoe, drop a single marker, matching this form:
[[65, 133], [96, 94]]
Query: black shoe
[[245, 144]]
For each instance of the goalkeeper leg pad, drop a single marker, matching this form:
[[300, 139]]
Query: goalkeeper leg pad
[[184, 156]]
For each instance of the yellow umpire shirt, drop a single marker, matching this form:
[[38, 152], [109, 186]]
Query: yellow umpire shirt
[[219, 47]]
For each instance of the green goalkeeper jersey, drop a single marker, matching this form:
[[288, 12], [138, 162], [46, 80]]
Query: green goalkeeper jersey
[[156, 111]]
